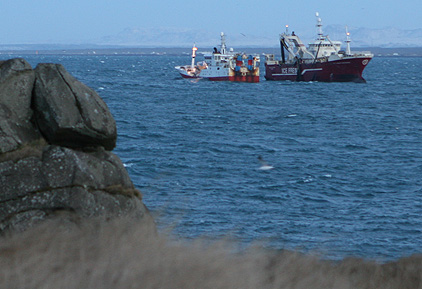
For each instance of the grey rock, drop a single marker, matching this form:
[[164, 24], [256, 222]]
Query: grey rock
[[55, 158], [88, 184], [98, 169], [16, 84], [18, 178], [21, 221], [77, 200], [60, 167], [69, 113]]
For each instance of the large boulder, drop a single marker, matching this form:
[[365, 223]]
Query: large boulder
[[58, 179], [68, 112], [55, 160], [16, 84], [59, 167]]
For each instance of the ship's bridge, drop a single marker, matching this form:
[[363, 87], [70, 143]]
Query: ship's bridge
[[324, 48]]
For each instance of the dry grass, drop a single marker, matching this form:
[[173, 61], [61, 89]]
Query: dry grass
[[127, 255], [120, 190]]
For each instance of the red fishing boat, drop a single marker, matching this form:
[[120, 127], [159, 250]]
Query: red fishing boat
[[322, 60]]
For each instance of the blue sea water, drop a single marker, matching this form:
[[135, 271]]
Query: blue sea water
[[347, 157]]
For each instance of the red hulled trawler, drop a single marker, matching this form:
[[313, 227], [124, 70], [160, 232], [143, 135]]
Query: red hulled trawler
[[323, 60]]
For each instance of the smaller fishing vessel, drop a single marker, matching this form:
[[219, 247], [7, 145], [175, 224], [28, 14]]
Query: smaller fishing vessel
[[223, 65], [323, 60]]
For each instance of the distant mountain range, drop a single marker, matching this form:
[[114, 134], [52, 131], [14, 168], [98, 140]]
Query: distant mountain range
[[172, 37], [183, 38], [387, 37]]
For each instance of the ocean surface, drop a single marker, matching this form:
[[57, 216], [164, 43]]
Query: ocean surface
[[347, 157]]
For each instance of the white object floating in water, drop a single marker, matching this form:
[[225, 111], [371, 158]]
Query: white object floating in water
[[264, 166]]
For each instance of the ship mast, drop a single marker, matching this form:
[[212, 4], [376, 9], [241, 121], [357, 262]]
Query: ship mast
[[319, 26], [348, 52], [194, 49], [223, 43]]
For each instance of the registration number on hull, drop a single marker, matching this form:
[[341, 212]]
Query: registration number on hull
[[289, 70]]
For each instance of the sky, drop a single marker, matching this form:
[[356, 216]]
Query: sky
[[77, 21]]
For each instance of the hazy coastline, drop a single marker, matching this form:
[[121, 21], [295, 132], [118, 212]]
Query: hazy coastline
[[28, 49]]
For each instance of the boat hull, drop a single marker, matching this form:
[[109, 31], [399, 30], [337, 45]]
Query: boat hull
[[244, 78], [342, 70], [217, 78], [231, 77], [188, 76]]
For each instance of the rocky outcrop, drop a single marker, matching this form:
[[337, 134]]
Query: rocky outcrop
[[16, 84], [56, 137], [70, 113]]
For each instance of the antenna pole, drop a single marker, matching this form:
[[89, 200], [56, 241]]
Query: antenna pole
[[348, 52], [319, 27], [223, 43], [194, 49]]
